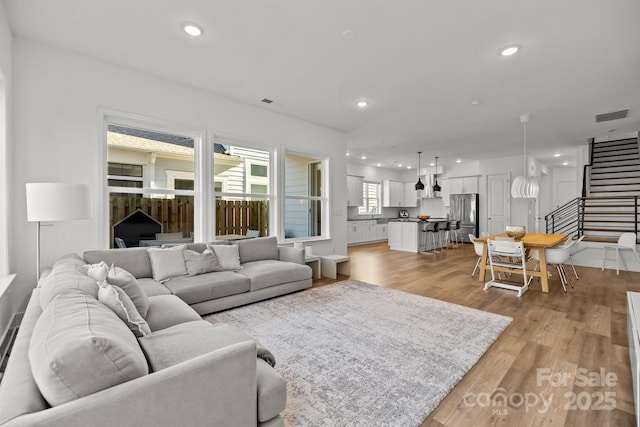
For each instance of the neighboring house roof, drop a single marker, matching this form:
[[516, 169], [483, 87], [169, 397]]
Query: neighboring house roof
[[166, 145]]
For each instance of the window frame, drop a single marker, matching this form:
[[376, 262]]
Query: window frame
[[365, 199], [324, 198]]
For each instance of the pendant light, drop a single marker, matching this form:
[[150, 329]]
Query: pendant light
[[525, 187], [436, 187], [419, 184]]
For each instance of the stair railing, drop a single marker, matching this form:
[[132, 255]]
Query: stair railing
[[566, 218], [586, 171]]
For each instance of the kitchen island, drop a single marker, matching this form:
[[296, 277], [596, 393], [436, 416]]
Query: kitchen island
[[405, 234]]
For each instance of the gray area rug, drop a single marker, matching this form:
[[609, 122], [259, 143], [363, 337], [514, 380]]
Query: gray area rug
[[355, 354]]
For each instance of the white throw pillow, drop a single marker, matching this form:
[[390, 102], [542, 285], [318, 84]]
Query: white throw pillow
[[200, 263], [120, 303], [99, 271], [228, 256], [129, 284], [167, 263]]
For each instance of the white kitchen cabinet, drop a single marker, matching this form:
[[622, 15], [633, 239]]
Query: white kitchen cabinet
[[381, 232], [394, 234], [446, 191], [410, 195], [392, 194], [462, 185], [354, 190], [362, 231], [403, 236]]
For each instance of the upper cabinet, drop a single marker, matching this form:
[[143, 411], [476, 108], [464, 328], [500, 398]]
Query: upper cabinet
[[397, 194], [462, 185], [354, 190]]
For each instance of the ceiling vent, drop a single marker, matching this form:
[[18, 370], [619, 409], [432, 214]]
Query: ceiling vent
[[622, 114], [269, 101]]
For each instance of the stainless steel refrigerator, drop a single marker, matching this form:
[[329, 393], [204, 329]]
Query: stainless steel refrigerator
[[464, 207]]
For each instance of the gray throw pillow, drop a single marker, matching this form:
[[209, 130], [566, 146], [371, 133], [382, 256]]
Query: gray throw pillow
[[118, 301], [228, 256], [167, 263], [129, 284], [200, 263]]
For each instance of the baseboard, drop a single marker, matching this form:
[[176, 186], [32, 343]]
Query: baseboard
[[7, 341]]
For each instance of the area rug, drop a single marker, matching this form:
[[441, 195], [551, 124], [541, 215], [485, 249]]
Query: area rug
[[355, 354]]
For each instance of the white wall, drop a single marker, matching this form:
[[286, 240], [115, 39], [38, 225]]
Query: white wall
[[58, 100], [8, 302]]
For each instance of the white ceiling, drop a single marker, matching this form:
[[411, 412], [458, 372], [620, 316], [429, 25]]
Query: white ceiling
[[418, 62]]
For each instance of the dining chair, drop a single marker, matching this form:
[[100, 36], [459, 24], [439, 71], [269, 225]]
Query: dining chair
[[575, 248], [557, 256], [120, 243], [626, 242], [511, 255], [478, 247], [253, 233]]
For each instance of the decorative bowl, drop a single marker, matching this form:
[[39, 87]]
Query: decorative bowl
[[517, 232], [423, 217]]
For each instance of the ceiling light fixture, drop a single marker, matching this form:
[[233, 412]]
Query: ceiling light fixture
[[362, 104], [556, 155], [192, 30], [511, 50], [364, 157], [565, 163], [436, 187], [419, 185], [458, 161], [524, 186]]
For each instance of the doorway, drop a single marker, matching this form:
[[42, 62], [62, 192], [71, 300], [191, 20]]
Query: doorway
[[498, 202]]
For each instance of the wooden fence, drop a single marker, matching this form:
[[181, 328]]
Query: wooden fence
[[176, 215]]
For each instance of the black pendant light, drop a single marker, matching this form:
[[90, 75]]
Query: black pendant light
[[419, 184], [436, 187]]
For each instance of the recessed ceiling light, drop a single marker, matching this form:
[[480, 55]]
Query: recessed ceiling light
[[364, 157], [565, 163], [458, 161], [362, 104], [432, 164], [349, 34], [399, 165], [348, 154], [475, 103], [508, 51], [192, 29], [556, 155], [378, 165], [408, 167]]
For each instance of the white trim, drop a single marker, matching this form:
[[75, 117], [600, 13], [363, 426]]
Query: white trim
[[199, 136]]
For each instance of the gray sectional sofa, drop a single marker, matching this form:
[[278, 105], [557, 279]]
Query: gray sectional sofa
[[77, 361]]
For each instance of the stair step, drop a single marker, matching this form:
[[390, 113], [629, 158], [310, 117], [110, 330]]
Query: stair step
[[607, 144], [602, 239], [615, 162], [623, 148], [611, 169], [610, 229], [600, 177], [629, 152]]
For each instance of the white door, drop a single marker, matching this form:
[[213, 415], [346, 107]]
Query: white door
[[498, 202]]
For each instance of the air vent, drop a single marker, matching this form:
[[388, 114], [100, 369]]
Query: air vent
[[269, 101], [611, 116]]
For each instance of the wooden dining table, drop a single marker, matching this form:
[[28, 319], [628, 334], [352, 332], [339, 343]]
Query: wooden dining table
[[532, 241]]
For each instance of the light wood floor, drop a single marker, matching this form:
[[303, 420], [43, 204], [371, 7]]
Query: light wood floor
[[578, 334]]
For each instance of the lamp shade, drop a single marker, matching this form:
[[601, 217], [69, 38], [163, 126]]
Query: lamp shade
[[51, 201]]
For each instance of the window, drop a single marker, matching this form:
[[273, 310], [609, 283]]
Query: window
[[242, 189], [371, 199], [305, 198], [150, 179]]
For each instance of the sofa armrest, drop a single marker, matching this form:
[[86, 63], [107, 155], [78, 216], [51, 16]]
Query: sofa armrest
[[217, 388], [289, 254]]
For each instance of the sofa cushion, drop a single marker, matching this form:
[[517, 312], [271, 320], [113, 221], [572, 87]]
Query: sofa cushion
[[129, 284], [168, 310], [228, 256], [258, 249], [167, 262], [264, 274], [200, 263], [120, 303], [79, 347], [178, 343], [134, 260], [67, 275], [152, 287], [272, 391], [194, 289]]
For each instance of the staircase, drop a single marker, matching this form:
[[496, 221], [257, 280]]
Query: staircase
[[612, 206], [612, 198]]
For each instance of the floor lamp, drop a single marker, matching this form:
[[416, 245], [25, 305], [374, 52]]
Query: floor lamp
[[51, 201]]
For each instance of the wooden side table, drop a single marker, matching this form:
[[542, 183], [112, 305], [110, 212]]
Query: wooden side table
[[332, 265], [314, 263]]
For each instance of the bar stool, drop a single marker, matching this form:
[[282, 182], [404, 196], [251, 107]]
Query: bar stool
[[454, 227], [444, 226], [431, 229]]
